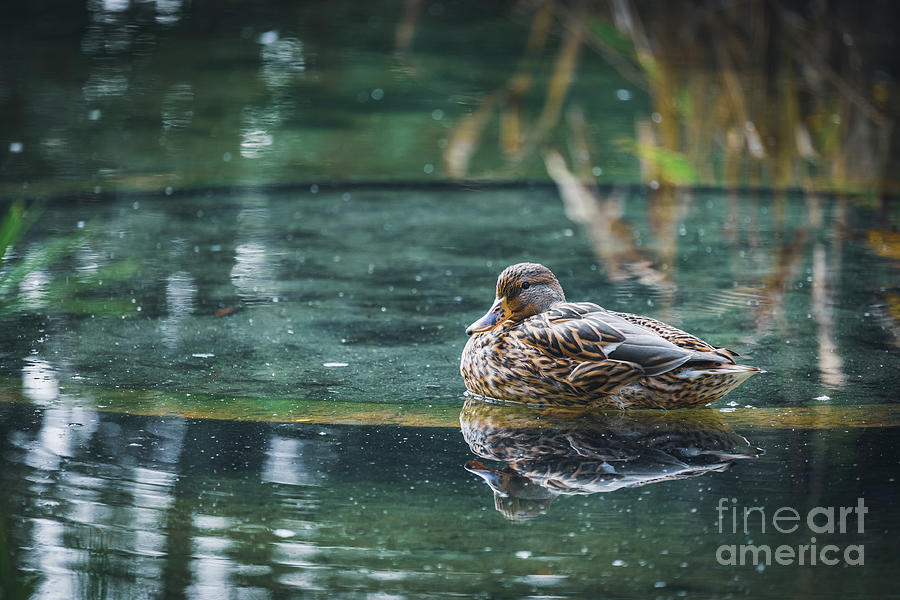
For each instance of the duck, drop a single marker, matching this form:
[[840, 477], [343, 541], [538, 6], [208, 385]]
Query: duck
[[534, 347]]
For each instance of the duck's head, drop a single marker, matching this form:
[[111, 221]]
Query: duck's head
[[523, 290]]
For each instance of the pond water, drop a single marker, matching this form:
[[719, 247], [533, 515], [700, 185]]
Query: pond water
[[240, 245], [263, 395], [363, 294], [113, 506]]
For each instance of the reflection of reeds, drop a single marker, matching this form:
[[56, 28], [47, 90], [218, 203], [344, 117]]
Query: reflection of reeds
[[94, 574], [61, 292], [611, 236], [745, 94], [785, 107]]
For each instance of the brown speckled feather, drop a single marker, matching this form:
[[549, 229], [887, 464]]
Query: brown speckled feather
[[604, 377], [575, 336]]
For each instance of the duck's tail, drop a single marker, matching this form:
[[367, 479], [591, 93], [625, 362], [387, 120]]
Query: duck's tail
[[693, 384], [737, 373]]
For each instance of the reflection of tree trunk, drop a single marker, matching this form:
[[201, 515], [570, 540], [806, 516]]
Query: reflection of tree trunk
[[407, 27], [788, 259], [466, 137], [825, 275], [830, 363]]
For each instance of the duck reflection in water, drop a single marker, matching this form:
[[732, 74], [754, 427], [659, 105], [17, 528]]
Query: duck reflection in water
[[551, 452]]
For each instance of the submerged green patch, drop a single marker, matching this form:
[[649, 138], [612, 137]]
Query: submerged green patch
[[445, 414]]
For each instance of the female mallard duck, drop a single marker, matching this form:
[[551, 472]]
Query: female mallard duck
[[533, 346]]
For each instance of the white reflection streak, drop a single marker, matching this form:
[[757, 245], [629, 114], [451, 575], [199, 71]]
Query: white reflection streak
[[103, 83], [255, 136], [249, 265], [107, 11], [280, 461], [254, 142], [33, 289], [284, 463], [63, 428], [281, 60], [88, 261], [152, 494], [177, 107], [211, 569], [211, 577], [830, 362], [181, 294], [39, 381], [51, 556], [168, 12], [108, 32], [115, 5]]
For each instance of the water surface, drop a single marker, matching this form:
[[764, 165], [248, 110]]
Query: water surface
[[111, 505], [347, 305], [364, 293]]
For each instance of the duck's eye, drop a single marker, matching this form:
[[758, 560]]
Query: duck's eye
[[525, 285]]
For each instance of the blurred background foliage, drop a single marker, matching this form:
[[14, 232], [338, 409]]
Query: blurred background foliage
[[114, 94]]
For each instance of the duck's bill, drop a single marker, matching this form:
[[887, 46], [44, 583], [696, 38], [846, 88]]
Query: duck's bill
[[492, 477], [491, 319]]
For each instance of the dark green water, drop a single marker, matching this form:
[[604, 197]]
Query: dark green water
[[109, 95], [117, 506], [363, 294]]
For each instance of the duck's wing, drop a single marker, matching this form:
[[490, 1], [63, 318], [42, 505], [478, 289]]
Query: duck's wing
[[569, 331], [680, 338], [586, 332]]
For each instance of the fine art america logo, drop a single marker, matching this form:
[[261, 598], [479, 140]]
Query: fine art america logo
[[820, 520]]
